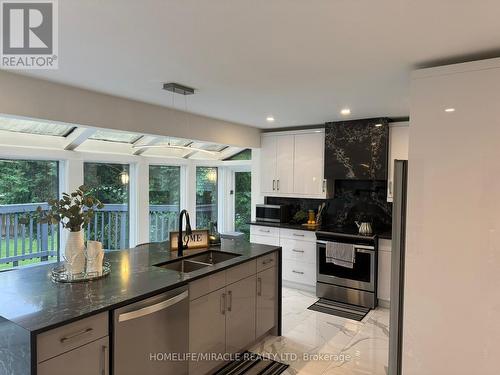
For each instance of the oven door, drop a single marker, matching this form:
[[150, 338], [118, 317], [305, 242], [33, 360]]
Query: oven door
[[361, 276]]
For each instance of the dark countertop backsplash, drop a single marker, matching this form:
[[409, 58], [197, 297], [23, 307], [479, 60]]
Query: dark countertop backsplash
[[354, 200]]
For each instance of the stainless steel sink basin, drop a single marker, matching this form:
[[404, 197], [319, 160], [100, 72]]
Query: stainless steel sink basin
[[213, 257], [183, 266], [198, 261]]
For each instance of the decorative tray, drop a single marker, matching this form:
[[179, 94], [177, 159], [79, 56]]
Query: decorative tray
[[60, 274]]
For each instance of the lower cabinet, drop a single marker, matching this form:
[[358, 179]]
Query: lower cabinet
[[78, 348], [207, 329], [240, 314], [267, 290], [89, 359], [229, 319]]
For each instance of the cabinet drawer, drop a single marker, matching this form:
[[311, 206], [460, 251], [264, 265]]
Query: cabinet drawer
[[207, 285], [298, 272], [295, 234], [88, 359], [266, 261], [71, 336], [299, 250], [240, 272], [264, 231], [264, 240]]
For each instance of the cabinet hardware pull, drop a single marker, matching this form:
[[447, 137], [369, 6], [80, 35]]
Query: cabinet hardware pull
[[75, 335], [298, 235], [259, 286], [278, 185], [265, 231], [103, 359], [274, 185], [324, 186], [299, 272], [223, 303], [390, 188], [298, 251], [230, 298], [268, 261]]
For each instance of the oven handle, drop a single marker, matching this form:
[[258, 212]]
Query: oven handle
[[358, 247]]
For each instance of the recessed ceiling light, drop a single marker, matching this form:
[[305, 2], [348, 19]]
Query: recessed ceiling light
[[449, 110], [345, 111], [270, 119], [378, 125]]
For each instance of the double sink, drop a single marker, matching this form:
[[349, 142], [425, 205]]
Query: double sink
[[196, 262]]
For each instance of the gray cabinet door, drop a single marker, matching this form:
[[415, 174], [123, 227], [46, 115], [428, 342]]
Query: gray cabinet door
[[266, 301], [240, 317], [207, 329], [89, 359]]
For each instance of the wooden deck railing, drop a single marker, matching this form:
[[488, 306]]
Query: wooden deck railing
[[34, 242]]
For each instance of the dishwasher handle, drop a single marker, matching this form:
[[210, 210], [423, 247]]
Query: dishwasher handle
[[153, 308]]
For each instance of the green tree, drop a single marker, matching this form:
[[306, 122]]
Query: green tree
[[28, 181]]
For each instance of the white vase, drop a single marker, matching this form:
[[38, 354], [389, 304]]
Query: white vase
[[74, 253]]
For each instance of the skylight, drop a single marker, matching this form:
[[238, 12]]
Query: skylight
[[35, 127], [114, 136], [209, 146]]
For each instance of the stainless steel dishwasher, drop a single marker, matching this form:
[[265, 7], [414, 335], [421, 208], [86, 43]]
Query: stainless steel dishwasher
[[150, 336]]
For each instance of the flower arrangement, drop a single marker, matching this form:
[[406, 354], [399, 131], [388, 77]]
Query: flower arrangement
[[73, 211]]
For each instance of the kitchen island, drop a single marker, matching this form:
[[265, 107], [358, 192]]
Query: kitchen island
[[31, 304]]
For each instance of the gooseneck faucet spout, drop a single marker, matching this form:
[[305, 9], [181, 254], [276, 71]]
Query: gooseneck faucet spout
[[180, 239]]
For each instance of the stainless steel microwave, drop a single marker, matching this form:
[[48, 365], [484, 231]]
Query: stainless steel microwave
[[272, 213]]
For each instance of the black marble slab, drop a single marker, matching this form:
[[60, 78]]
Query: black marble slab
[[33, 302], [357, 149], [15, 349]]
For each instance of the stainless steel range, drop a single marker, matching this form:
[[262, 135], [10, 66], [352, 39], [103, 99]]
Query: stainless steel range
[[353, 283]]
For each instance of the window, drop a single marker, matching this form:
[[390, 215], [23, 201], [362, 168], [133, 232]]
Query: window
[[35, 127], [25, 185], [242, 202], [164, 201], [242, 155], [206, 197], [110, 184], [112, 136]]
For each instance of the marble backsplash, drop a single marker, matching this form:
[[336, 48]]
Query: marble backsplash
[[362, 200], [357, 149]]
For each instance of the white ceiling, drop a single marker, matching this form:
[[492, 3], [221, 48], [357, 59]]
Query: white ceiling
[[298, 60]]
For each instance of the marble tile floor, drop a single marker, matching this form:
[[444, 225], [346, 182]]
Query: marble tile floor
[[315, 343]]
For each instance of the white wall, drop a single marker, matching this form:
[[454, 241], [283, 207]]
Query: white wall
[[35, 98], [452, 298]]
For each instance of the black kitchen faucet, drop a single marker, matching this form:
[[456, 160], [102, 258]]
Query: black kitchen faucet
[[180, 242]]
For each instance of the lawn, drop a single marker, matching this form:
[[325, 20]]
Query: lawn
[[3, 252]]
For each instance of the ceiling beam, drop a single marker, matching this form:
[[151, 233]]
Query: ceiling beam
[[79, 136]]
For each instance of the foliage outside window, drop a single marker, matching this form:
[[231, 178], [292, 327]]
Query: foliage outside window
[[109, 183], [206, 197], [242, 202], [242, 155], [164, 201], [25, 185]]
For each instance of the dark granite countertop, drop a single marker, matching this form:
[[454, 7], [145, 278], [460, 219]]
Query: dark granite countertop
[[381, 235], [31, 300]]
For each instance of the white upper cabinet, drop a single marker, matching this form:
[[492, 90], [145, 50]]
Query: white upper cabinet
[[284, 163], [309, 164], [268, 164], [398, 150], [292, 164]]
